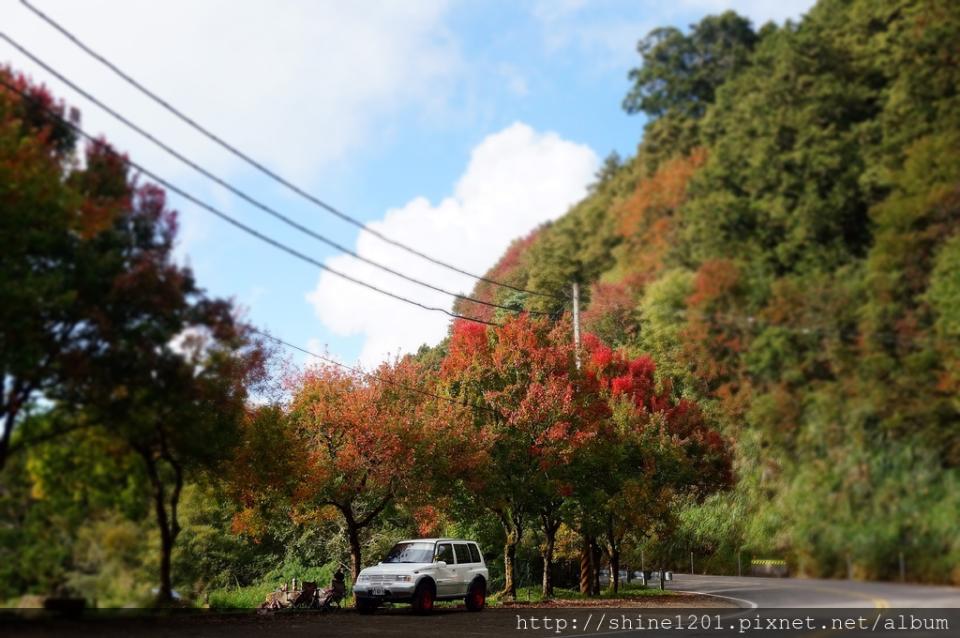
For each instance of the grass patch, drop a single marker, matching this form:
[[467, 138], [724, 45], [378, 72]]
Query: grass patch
[[533, 594], [240, 597], [251, 596]]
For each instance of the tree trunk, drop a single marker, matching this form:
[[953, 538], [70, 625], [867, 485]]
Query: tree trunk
[[165, 594], [11, 408], [353, 539], [550, 524], [550, 527], [513, 531], [5, 437], [615, 570], [595, 554], [356, 564], [168, 524], [166, 521], [612, 549], [587, 565], [509, 565], [354, 526]]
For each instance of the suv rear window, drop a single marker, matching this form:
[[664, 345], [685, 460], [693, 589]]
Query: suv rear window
[[474, 553], [463, 554]]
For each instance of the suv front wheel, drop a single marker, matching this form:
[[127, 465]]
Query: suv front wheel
[[423, 598]]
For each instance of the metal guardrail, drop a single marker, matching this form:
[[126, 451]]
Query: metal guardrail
[[776, 567]]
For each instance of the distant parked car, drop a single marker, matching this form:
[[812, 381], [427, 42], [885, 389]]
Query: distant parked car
[[605, 576], [422, 571]]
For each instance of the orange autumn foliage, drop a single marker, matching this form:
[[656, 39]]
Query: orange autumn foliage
[[646, 217], [715, 336], [660, 194]]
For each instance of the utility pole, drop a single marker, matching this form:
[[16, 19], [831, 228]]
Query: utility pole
[[576, 322]]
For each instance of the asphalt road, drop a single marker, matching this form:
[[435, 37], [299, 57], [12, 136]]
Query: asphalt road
[[812, 593]]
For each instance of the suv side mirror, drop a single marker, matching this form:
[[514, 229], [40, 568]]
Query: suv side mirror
[[441, 563]]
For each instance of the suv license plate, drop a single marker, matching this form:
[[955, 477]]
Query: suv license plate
[[378, 591]]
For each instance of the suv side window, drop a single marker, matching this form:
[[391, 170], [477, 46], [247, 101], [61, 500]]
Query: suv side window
[[474, 553], [463, 554], [445, 553]]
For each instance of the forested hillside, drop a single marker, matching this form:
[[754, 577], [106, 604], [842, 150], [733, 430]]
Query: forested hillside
[[786, 245]]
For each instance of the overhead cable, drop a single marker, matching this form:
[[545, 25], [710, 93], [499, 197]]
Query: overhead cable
[[245, 196], [259, 166], [230, 220]]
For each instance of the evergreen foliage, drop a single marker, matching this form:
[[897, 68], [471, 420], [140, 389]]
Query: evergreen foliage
[[786, 246]]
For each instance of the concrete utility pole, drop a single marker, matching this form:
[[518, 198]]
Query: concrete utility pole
[[576, 322]]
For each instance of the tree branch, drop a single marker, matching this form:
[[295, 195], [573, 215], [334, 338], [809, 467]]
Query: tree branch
[[366, 520]]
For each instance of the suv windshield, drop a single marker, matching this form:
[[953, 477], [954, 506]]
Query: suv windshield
[[410, 553]]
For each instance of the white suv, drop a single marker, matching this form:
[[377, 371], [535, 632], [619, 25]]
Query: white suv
[[422, 571]]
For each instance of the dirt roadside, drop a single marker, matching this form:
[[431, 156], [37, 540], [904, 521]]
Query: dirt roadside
[[347, 623]]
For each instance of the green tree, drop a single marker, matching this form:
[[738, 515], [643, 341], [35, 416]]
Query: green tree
[[164, 369], [45, 220], [682, 72]]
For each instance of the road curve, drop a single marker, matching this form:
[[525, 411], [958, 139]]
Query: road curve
[[812, 593]]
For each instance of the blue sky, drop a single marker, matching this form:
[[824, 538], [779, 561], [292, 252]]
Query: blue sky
[[454, 126]]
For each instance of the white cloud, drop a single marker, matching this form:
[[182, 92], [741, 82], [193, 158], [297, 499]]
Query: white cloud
[[295, 84], [516, 179], [759, 11], [608, 31], [549, 10], [609, 40]]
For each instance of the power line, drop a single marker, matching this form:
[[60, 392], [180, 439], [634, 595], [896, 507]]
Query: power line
[[230, 220], [264, 169], [372, 375], [243, 195]]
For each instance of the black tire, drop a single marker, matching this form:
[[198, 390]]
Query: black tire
[[366, 606], [476, 598], [424, 597]]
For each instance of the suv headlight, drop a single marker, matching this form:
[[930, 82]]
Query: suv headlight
[[403, 578], [363, 578]]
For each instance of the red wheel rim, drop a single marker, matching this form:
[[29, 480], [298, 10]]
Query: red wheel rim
[[427, 600], [478, 598]]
